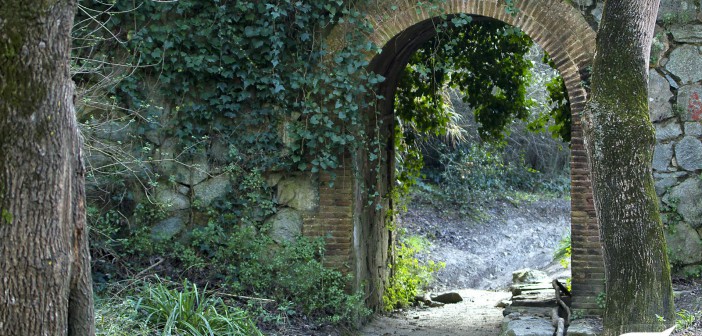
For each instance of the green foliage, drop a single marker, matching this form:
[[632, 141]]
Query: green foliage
[[223, 70], [558, 119], [685, 319], [248, 262], [6, 216], [564, 251], [191, 311], [484, 60], [601, 300], [116, 316], [409, 275], [480, 173]]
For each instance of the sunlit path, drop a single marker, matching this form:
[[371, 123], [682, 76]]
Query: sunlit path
[[476, 315]]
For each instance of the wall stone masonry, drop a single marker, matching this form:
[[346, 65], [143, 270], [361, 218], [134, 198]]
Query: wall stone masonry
[[677, 163], [319, 205]]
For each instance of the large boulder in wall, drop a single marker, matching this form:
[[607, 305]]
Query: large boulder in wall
[[285, 225], [299, 192]]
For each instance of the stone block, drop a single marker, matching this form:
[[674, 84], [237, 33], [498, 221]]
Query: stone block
[[693, 129], [285, 225], [299, 192], [172, 199], [168, 228], [524, 325], [659, 96], [585, 327], [677, 11], [684, 244], [687, 33], [114, 130], [690, 101], [212, 188], [664, 182], [688, 195], [662, 156], [688, 153], [668, 130], [686, 63]]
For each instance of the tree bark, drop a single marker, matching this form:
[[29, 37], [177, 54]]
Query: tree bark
[[620, 139], [45, 283]]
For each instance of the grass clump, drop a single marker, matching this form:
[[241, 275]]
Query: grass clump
[[161, 309]]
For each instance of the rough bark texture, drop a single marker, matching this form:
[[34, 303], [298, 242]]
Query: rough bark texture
[[620, 140], [45, 284]]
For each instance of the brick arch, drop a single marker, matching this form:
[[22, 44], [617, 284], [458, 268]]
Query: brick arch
[[561, 30]]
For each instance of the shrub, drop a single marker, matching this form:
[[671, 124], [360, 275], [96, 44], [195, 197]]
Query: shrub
[[409, 274], [247, 261]]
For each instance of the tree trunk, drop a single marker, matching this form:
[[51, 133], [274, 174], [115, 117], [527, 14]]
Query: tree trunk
[[620, 140], [45, 284]]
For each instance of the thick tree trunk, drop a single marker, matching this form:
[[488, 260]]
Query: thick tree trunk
[[620, 140], [45, 284]]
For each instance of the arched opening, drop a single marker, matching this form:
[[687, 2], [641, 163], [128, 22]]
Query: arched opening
[[560, 31]]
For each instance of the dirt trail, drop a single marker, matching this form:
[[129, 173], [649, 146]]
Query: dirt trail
[[478, 254], [476, 315]]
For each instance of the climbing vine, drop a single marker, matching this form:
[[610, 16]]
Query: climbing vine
[[253, 74]]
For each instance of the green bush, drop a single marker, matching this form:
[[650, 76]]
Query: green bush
[[409, 275], [248, 261]]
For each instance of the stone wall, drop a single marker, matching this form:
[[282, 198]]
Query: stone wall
[[311, 205], [675, 97]]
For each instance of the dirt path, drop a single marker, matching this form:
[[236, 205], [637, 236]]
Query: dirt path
[[476, 315], [478, 254]]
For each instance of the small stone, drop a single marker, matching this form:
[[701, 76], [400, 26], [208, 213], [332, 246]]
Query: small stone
[[688, 153], [667, 130], [659, 47], [503, 304], [528, 275], [686, 63]]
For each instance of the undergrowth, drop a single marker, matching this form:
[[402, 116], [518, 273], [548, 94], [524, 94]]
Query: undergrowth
[[409, 275]]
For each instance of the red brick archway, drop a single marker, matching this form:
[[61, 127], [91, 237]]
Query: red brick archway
[[400, 26]]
